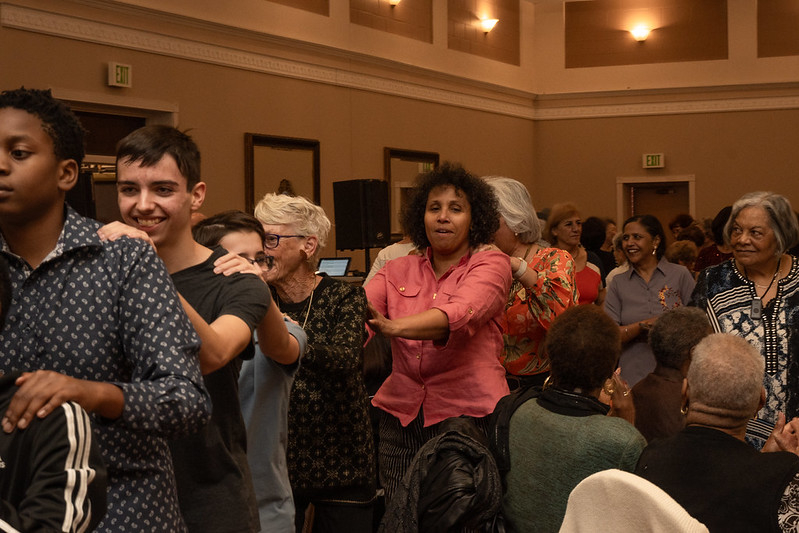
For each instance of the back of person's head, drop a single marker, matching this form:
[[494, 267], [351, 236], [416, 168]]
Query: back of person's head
[[583, 344], [719, 221], [682, 253], [482, 203], [5, 291], [149, 144], [306, 217], [682, 220], [675, 333], [594, 233], [516, 207], [209, 231], [57, 118], [692, 233], [725, 377], [557, 214]]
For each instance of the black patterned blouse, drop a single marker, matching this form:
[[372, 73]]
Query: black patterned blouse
[[330, 436]]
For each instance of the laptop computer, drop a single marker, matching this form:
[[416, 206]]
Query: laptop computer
[[334, 266]]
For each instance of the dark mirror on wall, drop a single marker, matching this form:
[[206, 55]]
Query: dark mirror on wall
[[279, 164], [400, 168]]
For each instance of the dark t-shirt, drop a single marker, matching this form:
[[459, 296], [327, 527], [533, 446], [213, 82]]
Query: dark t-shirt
[[214, 482]]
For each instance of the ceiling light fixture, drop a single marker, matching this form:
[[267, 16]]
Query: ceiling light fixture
[[394, 2]]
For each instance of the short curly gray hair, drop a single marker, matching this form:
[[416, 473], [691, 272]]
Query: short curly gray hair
[[782, 217], [726, 373], [516, 207], [306, 217]]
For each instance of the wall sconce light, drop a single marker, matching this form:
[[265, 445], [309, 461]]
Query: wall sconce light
[[488, 24], [640, 33], [394, 2]]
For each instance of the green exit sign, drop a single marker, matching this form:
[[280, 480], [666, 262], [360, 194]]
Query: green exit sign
[[120, 75], [654, 161]]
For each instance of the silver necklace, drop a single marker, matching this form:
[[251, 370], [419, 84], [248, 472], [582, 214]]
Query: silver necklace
[[308, 311], [757, 302], [310, 303]]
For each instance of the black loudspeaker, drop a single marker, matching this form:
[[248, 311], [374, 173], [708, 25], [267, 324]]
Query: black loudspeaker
[[362, 214]]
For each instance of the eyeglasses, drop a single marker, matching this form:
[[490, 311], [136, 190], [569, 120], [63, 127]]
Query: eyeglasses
[[272, 240], [261, 260]]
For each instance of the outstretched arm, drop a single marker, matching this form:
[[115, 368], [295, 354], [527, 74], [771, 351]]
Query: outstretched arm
[[427, 325]]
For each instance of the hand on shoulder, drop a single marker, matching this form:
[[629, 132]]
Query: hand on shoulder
[[114, 230]]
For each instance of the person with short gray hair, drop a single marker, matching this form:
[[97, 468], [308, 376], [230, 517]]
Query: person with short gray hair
[[657, 396], [781, 217], [722, 385], [756, 296], [707, 467], [544, 284]]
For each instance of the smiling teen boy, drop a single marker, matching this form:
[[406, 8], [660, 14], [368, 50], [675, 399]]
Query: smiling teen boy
[[93, 322], [158, 189]]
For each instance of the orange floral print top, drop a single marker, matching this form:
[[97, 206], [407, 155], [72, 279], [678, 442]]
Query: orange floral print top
[[529, 312]]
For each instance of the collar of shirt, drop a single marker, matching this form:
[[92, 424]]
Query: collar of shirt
[[631, 271], [464, 259], [75, 234]]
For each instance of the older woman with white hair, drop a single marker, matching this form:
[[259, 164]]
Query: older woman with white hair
[[756, 295], [330, 449], [707, 467], [543, 284]]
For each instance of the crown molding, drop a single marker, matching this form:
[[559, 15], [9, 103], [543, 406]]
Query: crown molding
[[721, 105], [70, 27]]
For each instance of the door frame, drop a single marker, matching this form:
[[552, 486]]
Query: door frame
[[621, 181]]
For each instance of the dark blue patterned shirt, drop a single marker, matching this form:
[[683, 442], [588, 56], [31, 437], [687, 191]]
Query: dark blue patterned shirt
[[108, 311]]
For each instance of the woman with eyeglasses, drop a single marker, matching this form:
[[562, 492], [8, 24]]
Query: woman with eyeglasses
[[264, 381], [331, 453]]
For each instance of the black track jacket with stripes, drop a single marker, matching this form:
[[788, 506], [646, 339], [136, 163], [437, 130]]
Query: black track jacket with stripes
[[52, 476]]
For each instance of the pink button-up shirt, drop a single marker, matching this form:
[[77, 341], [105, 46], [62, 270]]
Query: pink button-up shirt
[[462, 376]]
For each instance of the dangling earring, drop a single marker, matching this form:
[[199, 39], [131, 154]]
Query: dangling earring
[[608, 387]]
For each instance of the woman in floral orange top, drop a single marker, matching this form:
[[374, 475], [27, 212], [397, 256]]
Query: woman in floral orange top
[[543, 284]]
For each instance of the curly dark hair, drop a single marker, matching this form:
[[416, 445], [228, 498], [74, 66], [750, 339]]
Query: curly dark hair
[[584, 345], [675, 333], [652, 226], [694, 234], [58, 120], [483, 204]]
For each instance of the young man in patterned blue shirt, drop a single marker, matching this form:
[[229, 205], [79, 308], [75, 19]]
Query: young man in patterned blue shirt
[[158, 189], [98, 323]]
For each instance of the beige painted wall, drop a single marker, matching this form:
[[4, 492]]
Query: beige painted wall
[[220, 104], [577, 159], [729, 154]]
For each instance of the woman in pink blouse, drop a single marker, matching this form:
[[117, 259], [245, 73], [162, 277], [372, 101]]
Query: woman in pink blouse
[[441, 310]]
